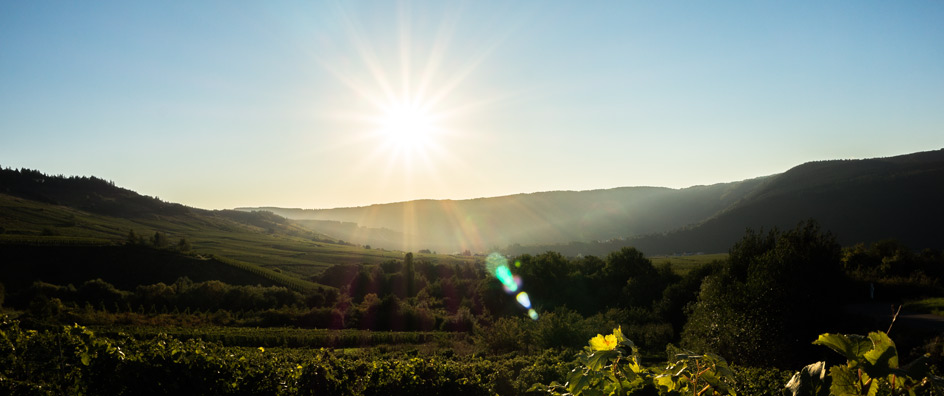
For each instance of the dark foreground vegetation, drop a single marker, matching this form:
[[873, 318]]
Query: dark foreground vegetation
[[421, 327], [74, 360]]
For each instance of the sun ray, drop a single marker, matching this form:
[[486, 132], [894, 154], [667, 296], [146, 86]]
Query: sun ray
[[408, 105], [405, 49], [441, 41], [367, 53]]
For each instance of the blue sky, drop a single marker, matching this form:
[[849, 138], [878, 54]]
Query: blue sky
[[223, 104]]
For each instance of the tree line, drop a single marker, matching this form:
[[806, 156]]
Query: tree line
[[775, 287]]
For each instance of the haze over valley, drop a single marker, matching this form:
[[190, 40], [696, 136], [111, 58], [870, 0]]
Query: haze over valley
[[859, 200]]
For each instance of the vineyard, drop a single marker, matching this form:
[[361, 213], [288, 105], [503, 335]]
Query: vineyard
[[291, 282], [75, 360], [286, 337]]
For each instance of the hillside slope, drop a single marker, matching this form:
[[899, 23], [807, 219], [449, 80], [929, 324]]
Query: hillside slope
[[537, 218], [123, 266], [53, 212], [858, 200]]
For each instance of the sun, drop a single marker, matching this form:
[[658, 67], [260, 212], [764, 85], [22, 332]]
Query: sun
[[408, 112], [407, 126]]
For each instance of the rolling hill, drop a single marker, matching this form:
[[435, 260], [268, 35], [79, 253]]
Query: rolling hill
[[538, 218], [859, 200], [49, 221]]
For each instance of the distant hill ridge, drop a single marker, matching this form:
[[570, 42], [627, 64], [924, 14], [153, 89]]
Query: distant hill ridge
[[549, 217], [859, 200]]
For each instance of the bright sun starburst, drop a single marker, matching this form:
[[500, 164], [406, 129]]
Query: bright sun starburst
[[407, 127], [409, 115]]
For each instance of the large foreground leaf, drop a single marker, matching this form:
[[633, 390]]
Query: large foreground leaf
[[852, 346], [883, 357]]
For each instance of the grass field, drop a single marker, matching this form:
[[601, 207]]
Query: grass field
[[682, 264], [934, 306]]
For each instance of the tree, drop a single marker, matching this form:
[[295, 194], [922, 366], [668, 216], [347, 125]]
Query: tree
[[775, 290], [546, 277], [631, 279], [134, 238], [408, 273], [183, 245], [159, 240]]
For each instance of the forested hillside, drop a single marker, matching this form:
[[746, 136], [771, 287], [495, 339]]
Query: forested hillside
[[862, 200]]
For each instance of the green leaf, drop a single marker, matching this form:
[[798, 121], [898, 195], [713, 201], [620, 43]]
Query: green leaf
[[666, 381], [845, 381], [622, 340], [610, 375], [592, 392], [873, 388], [883, 357], [852, 346], [577, 383], [599, 359]]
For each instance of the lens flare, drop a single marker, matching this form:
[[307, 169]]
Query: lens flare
[[497, 265], [523, 299], [507, 279]]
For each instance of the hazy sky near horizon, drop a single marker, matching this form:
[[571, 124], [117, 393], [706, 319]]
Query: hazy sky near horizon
[[318, 104]]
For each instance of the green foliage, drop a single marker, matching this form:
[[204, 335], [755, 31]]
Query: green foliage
[[611, 365], [871, 368], [775, 288], [706, 374], [507, 334], [74, 360], [183, 245], [159, 240], [760, 381], [409, 272], [624, 279]]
